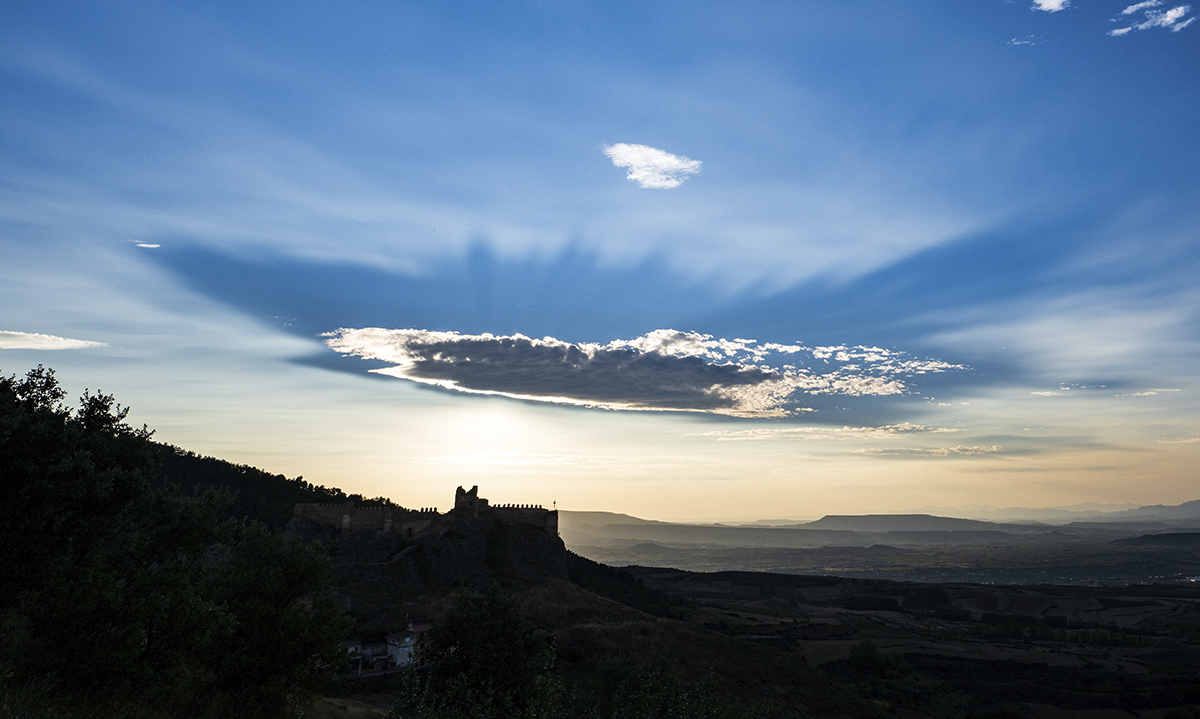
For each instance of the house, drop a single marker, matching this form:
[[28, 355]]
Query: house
[[404, 648], [401, 647], [366, 656]]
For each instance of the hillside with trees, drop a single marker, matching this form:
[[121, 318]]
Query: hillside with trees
[[122, 597], [143, 581]]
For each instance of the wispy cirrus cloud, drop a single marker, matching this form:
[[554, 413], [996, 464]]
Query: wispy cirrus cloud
[[666, 370], [1149, 392], [760, 434], [1067, 388], [650, 167], [1027, 40], [34, 341], [1141, 6], [959, 451], [1172, 19], [606, 463]]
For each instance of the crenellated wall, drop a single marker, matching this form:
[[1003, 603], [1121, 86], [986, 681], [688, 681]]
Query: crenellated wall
[[538, 516], [349, 517]]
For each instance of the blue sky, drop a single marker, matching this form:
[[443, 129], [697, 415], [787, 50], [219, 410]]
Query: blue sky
[[672, 259]]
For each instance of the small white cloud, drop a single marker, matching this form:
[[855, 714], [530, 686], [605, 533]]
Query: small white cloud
[[1027, 40], [147, 245], [1047, 393], [1141, 6], [34, 341], [1170, 19], [650, 167], [1183, 440], [1050, 5]]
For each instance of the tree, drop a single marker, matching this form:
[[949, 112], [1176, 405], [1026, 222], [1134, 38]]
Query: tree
[[487, 662], [131, 599], [282, 640]]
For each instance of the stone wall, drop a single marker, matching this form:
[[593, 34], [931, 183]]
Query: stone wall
[[349, 517], [546, 519]]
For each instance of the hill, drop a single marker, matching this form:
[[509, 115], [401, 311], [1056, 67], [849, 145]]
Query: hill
[[906, 523], [966, 650], [1168, 539], [1185, 511], [173, 602], [124, 597], [251, 493]]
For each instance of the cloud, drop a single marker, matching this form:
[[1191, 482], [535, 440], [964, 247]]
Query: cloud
[[1027, 40], [650, 167], [147, 245], [1141, 6], [960, 451], [1149, 392], [1068, 388], [1170, 19], [34, 341], [1050, 5], [559, 461], [1183, 440], [804, 433], [666, 370]]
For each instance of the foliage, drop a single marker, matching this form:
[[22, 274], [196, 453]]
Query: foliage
[[253, 493], [133, 600], [282, 643], [486, 661], [630, 691], [873, 602], [621, 586], [866, 658]]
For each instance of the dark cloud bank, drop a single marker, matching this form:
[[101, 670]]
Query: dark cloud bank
[[663, 370]]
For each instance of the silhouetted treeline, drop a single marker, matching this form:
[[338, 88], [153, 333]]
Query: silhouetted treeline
[[252, 493]]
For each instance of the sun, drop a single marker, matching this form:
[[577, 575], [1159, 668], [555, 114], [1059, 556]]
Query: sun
[[488, 428]]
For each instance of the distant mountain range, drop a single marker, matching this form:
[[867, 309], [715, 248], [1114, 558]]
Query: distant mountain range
[[930, 518], [585, 531], [900, 523], [1089, 511]]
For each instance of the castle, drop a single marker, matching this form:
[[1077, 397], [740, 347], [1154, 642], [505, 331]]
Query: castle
[[349, 517]]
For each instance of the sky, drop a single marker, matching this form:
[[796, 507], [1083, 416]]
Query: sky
[[679, 260]]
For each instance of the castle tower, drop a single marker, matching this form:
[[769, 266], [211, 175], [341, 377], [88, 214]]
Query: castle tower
[[469, 501]]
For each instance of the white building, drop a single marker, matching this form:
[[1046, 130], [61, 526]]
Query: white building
[[400, 647]]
